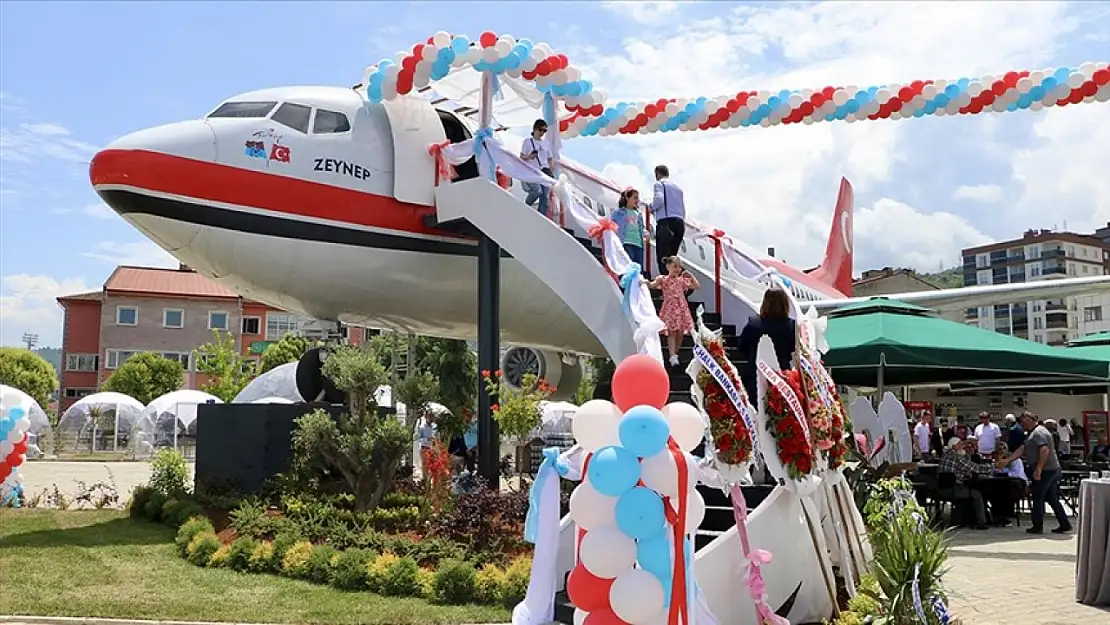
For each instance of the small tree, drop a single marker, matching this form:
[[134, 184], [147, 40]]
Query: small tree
[[289, 349], [146, 376], [364, 448], [416, 391], [27, 371], [227, 370], [456, 369], [517, 410]]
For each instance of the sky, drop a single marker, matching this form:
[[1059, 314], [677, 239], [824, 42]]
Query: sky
[[75, 76]]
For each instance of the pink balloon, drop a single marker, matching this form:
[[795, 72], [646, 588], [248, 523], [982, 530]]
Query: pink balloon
[[640, 380]]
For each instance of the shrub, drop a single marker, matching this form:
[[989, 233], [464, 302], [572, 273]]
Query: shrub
[[401, 500], [177, 511], [219, 559], [402, 579], [261, 558], [248, 519], [169, 474], [348, 571], [136, 506], [426, 578], [319, 563], [426, 552], [516, 581], [282, 543], [202, 547], [152, 510], [454, 583], [239, 556], [395, 519], [485, 520], [488, 583], [189, 530], [295, 560], [377, 569]]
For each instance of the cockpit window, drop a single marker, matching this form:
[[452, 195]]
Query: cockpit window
[[243, 109], [329, 122], [295, 116]]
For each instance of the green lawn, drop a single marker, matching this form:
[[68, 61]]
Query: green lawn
[[103, 564]]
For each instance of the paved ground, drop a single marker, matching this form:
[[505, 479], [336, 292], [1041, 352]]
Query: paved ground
[[1007, 577], [43, 475]]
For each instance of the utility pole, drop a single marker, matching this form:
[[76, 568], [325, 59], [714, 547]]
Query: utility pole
[[31, 340]]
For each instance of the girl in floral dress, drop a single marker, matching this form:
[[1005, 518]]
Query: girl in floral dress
[[675, 312]]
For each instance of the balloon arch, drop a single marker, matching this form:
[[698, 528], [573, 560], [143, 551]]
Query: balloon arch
[[589, 114]]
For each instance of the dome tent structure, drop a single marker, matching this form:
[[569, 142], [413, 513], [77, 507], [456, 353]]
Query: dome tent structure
[[169, 421], [39, 436], [100, 422], [280, 382]]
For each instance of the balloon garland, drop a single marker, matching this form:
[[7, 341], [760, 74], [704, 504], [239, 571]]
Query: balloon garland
[[14, 423]]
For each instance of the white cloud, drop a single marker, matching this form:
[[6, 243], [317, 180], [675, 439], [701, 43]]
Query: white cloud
[[98, 210], [27, 305], [642, 11], [985, 193], [31, 142], [141, 254], [776, 187]]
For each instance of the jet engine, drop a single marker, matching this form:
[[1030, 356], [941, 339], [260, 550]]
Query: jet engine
[[559, 369]]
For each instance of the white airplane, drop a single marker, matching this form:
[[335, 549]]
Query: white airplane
[[313, 200]]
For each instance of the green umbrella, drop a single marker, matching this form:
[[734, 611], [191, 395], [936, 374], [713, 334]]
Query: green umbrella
[[886, 342]]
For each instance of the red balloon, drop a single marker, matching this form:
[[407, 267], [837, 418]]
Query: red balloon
[[1088, 89], [431, 40], [5, 471], [404, 82], [1102, 77], [564, 62], [588, 592], [488, 39], [417, 49], [640, 380], [1076, 96], [603, 617]]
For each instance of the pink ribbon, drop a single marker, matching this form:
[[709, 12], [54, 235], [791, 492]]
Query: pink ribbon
[[444, 170], [757, 588]]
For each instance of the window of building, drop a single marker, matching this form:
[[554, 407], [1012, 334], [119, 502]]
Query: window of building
[[1035, 270], [294, 116], [127, 316], [82, 362], [280, 324], [217, 320], [116, 357], [1039, 338], [250, 365], [985, 311], [182, 357], [243, 109], [252, 325], [1038, 323], [173, 318], [78, 393], [1092, 313], [328, 122], [1086, 269]]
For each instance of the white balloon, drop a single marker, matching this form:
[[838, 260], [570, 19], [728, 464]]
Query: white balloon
[[755, 102], [607, 552], [595, 424], [389, 90], [795, 100], [23, 424], [421, 80], [660, 473], [687, 426], [1024, 84], [840, 96], [974, 88], [1036, 105], [1103, 94], [429, 53], [544, 49], [503, 48], [490, 55], [1087, 70], [765, 122], [573, 73], [391, 73], [580, 616], [529, 64], [929, 92], [14, 436], [672, 109], [442, 39], [473, 55], [883, 96], [695, 511], [6, 449], [1076, 80], [590, 509], [513, 72], [636, 597], [509, 39]]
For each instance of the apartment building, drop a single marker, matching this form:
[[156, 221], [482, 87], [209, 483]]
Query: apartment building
[[1040, 255], [167, 311]]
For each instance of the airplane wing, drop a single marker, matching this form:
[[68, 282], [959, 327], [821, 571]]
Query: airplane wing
[[986, 294]]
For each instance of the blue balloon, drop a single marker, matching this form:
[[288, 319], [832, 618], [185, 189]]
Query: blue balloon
[[1049, 83], [16, 413], [952, 91], [941, 100], [614, 471], [639, 513], [1012, 107], [1024, 101], [784, 94], [701, 101], [587, 86], [440, 70], [963, 83], [384, 63], [374, 91], [774, 102], [654, 556], [1062, 74], [851, 106], [1037, 93], [644, 431], [460, 44]]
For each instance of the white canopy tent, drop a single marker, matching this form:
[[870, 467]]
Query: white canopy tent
[[279, 382], [167, 419], [39, 433], [97, 417]]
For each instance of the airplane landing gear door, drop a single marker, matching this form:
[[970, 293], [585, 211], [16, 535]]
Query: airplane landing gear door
[[415, 125]]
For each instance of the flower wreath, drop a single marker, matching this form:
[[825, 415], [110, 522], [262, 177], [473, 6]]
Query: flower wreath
[[839, 448], [729, 435], [794, 449], [817, 404]]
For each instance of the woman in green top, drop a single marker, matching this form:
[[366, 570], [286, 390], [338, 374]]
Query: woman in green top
[[630, 225]]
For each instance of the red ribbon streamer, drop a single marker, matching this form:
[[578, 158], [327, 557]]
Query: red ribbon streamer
[[444, 170], [679, 608]]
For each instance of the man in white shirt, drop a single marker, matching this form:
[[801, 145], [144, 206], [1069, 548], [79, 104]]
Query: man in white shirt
[[1064, 431], [921, 434], [989, 434], [536, 152]]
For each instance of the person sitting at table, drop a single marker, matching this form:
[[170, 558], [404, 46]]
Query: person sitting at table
[[1101, 450], [961, 432], [1003, 498], [957, 462]]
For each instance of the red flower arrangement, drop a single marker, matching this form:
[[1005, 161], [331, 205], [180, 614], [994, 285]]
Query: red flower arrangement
[[731, 440], [794, 449], [839, 448], [820, 414]]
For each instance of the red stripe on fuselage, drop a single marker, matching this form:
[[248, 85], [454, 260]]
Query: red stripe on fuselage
[[295, 197]]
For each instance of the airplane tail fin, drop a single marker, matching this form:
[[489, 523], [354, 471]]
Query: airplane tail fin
[[836, 269]]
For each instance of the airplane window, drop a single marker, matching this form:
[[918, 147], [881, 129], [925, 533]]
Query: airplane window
[[294, 116], [243, 109], [684, 247], [701, 252], [327, 122], [601, 211]]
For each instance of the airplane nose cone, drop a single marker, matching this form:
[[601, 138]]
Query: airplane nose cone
[[142, 158]]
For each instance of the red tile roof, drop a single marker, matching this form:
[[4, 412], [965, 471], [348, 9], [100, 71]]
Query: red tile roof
[[171, 282], [89, 296]]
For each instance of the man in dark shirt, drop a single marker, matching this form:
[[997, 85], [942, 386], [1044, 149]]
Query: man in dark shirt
[[957, 461], [1039, 456], [1015, 436]]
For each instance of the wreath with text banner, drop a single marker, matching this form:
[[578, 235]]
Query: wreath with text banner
[[839, 448], [820, 410], [732, 442], [794, 449]]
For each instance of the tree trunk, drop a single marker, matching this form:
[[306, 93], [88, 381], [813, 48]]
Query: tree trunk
[[385, 480]]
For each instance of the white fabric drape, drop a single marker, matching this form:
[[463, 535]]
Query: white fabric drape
[[740, 261], [538, 607]]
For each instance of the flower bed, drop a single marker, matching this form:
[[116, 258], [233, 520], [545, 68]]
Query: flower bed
[[791, 442]]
